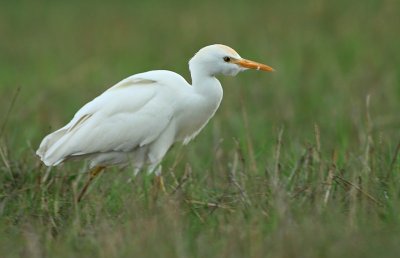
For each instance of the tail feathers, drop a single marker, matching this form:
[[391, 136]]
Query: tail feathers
[[46, 150], [53, 150]]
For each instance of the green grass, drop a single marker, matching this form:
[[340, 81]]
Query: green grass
[[299, 163]]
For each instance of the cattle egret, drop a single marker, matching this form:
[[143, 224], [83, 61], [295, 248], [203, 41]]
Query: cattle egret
[[137, 120]]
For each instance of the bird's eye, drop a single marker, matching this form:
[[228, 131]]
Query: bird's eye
[[227, 59]]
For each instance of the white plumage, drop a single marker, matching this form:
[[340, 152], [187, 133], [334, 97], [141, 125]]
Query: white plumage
[[138, 119]]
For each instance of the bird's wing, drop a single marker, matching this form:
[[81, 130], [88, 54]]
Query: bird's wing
[[130, 114]]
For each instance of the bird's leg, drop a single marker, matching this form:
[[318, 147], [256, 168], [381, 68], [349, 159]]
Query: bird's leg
[[158, 184], [94, 172]]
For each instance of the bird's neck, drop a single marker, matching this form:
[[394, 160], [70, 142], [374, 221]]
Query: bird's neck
[[206, 85]]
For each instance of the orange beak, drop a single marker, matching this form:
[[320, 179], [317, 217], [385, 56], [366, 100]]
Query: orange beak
[[253, 65]]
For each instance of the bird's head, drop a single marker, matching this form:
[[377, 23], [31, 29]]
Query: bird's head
[[221, 59]]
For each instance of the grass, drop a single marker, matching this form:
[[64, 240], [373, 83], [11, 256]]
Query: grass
[[300, 163]]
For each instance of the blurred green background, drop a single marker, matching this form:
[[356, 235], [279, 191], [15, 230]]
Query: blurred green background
[[328, 55]]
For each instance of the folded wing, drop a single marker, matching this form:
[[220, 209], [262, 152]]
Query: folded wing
[[127, 116]]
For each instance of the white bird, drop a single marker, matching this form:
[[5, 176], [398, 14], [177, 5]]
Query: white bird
[[137, 120]]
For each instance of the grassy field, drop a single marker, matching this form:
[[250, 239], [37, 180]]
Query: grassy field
[[299, 163]]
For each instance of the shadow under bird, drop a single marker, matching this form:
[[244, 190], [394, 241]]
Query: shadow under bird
[[137, 120]]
